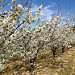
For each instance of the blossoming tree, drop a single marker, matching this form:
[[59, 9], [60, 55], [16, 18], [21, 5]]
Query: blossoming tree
[[20, 38]]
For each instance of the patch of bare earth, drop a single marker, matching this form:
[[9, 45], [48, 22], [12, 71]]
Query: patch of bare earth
[[63, 64]]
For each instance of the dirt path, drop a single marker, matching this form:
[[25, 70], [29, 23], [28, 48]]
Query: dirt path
[[45, 65]]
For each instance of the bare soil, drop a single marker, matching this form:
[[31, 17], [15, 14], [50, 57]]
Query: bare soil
[[45, 64]]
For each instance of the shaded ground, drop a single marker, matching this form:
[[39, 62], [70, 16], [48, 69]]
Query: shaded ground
[[63, 64]]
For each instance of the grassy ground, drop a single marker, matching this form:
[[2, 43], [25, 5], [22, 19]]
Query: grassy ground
[[63, 64]]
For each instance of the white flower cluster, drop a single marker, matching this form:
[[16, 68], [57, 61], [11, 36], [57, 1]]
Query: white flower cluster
[[14, 1]]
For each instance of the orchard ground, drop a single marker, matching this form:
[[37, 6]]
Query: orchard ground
[[63, 64]]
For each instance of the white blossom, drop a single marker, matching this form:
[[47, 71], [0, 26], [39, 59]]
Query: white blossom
[[1, 67], [20, 6], [14, 1], [40, 8]]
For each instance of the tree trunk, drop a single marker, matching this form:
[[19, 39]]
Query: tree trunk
[[32, 60], [63, 49], [54, 52]]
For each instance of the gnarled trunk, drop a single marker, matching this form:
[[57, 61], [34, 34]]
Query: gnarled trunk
[[63, 47], [53, 51], [32, 60]]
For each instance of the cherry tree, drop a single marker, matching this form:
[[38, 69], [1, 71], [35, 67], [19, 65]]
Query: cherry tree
[[18, 41], [20, 38]]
